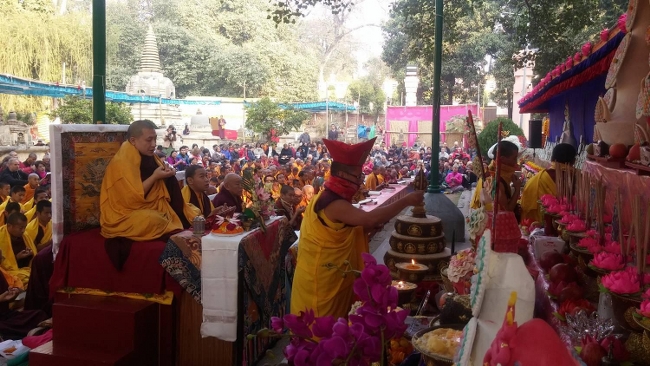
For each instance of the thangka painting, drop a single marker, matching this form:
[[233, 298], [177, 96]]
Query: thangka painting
[[85, 156]]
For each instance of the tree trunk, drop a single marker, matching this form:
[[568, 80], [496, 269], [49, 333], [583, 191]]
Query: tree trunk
[[510, 106]]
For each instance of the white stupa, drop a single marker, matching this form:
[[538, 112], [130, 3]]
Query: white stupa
[[150, 81]]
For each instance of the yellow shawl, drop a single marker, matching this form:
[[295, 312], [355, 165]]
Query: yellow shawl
[[124, 209], [9, 263], [32, 231], [190, 209], [373, 180], [537, 186], [31, 214], [28, 205], [314, 286]]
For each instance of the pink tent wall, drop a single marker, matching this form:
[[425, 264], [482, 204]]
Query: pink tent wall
[[424, 113]]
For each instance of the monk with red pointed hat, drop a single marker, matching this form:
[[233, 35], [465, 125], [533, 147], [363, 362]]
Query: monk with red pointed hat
[[333, 231]]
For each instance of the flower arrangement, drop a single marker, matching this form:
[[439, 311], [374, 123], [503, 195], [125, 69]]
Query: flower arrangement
[[361, 340], [259, 202], [608, 261], [625, 282]]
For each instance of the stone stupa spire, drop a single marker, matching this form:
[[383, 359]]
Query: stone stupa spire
[[150, 59]]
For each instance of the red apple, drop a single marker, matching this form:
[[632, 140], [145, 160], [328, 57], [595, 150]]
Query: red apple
[[550, 259], [618, 151], [592, 353], [562, 272], [571, 292], [635, 153]]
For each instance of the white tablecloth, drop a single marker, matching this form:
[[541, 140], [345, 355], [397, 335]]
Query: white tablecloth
[[219, 284]]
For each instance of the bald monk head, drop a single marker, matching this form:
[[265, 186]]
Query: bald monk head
[[33, 180], [142, 135], [197, 178], [232, 184], [308, 192]]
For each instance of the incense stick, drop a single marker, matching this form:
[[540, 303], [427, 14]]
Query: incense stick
[[645, 239], [639, 249]]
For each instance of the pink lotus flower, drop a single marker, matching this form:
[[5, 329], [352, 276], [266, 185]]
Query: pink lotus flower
[[590, 244], [578, 57], [612, 247], [592, 233], [556, 208], [604, 35], [608, 261], [644, 308], [577, 226], [622, 282], [586, 49], [621, 23], [646, 294], [548, 199], [566, 219]]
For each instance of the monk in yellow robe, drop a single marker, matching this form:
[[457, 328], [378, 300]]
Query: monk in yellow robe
[[375, 179], [140, 198], [40, 195], [17, 194], [194, 192], [335, 232], [33, 181], [40, 230], [544, 182], [18, 249], [5, 191]]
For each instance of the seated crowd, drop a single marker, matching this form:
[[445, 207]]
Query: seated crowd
[[25, 239]]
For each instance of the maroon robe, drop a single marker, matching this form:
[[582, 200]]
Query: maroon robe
[[16, 324], [224, 196], [38, 291]]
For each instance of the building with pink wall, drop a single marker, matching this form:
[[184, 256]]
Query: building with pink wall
[[413, 124]]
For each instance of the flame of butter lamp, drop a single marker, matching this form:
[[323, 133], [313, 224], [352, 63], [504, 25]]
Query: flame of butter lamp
[[412, 272], [405, 291]]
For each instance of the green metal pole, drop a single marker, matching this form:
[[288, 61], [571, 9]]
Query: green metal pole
[[99, 61], [434, 186]]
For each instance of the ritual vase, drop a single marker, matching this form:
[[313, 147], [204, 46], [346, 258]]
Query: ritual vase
[[624, 308], [506, 233]]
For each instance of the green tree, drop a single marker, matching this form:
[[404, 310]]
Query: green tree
[[555, 30], [488, 136], [118, 114], [77, 110], [266, 116]]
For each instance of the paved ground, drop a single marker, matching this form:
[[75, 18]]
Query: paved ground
[[378, 247]]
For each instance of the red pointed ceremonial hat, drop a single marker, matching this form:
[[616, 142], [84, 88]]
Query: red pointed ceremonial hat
[[351, 155]]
